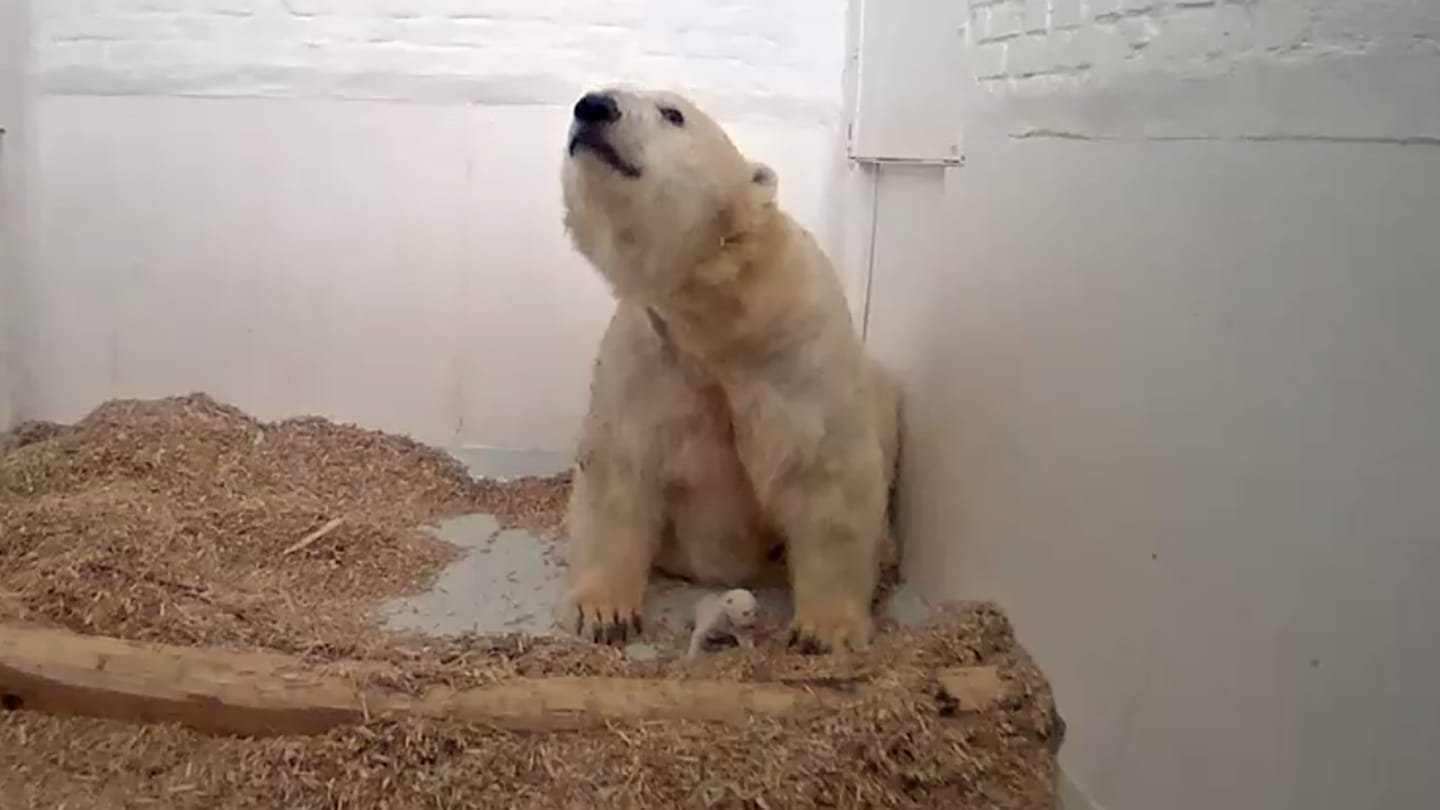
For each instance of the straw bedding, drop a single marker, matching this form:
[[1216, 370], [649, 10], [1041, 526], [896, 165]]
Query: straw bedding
[[169, 521]]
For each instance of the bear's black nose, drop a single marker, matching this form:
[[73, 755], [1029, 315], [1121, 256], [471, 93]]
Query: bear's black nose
[[596, 108]]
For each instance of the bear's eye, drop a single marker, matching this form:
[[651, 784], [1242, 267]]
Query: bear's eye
[[673, 115]]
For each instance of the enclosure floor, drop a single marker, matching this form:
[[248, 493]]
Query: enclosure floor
[[509, 580], [185, 521]]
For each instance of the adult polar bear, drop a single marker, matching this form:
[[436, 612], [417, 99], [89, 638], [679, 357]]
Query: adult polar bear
[[736, 429]]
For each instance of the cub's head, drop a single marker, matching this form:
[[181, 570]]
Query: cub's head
[[650, 179], [740, 607]]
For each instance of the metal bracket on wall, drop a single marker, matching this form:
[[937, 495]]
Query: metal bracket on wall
[[875, 164], [939, 163]]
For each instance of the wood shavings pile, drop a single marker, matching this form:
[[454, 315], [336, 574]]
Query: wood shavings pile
[[967, 634], [901, 746], [535, 504], [169, 520]]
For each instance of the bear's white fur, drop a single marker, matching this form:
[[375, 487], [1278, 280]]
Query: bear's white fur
[[736, 433]]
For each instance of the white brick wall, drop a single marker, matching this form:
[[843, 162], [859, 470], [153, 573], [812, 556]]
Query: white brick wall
[[1021, 47], [772, 58]]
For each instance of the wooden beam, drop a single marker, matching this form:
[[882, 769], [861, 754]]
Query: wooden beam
[[258, 694], [239, 693], [261, 694]]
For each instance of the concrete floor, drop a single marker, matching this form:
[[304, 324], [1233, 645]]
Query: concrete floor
[[508, 581]]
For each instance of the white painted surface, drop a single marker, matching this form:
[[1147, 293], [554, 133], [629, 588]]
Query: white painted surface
[[1169, 348], [353, 209], [1350, 69], [773, 58], [14, 46], [910, 120], [402, 266]]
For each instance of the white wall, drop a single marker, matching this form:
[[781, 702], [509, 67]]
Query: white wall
[[14, 46], [1169, 340], [353, 209]]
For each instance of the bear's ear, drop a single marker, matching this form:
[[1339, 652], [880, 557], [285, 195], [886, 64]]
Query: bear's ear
[[764, 184], [737, 217], [762, 175]]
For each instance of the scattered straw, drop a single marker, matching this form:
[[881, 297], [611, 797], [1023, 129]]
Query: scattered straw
[[535, 504], [902, 747], [313, 536], [169, 521]]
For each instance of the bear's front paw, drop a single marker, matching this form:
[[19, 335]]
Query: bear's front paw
[[817, 634], [606, 622]]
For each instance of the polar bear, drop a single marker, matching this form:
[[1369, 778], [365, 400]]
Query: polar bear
[[736, 434]]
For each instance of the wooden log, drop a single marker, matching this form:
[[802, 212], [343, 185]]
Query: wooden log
[[240, 693], [259, 693], [262, 694], [564, 703]]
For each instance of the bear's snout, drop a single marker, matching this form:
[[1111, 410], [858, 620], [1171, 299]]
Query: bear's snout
[[597, 108]]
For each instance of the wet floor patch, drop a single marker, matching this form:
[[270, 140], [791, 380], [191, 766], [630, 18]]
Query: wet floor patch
[[506, 582], [510, 581]]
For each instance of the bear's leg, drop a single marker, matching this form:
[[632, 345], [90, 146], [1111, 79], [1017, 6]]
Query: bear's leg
[[833, 528], [821, 482], [616, 523]]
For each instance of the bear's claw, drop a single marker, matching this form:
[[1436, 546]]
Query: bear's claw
[[607, 625], [806, 644], [810, 638]]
